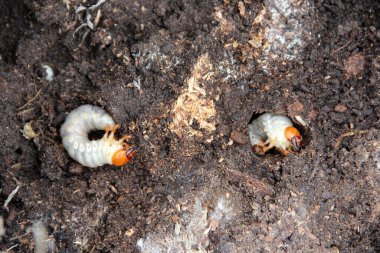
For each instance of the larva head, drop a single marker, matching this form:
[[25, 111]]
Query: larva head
[[123, 156], [293, 135]]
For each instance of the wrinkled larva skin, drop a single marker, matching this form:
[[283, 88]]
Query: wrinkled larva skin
[[74, 133], [268, 131]]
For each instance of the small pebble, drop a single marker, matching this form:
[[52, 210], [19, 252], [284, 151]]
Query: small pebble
[[130, 232], [239, 137], [28, 131], [75, 169], [295, 108], [327, 195], [354, 65], [340, 108], [167, 48]]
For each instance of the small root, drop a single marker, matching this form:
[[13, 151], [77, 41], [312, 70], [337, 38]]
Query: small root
[[345, 45], [97, 5], [347, 134], [86, 33], [97, 18], [30, 101], [79, 28]]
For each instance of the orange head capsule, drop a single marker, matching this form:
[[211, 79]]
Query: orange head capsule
[[294, 136], [123, 156]]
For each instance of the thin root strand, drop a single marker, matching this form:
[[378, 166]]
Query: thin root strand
[[347, 134]]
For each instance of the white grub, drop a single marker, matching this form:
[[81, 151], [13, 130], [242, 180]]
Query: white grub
[[49, 72], [10, 197], [43, 243], [270, 130], [263, 126], [74, 132], [2, 228]]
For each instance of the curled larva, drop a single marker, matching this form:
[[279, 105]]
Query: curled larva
[[274, 131], [107, 150]]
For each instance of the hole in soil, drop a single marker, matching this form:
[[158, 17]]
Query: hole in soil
[[18, 151], [256, 133], [12, 27], [96, 135]]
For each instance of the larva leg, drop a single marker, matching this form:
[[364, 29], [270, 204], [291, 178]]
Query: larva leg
[[267, 146], [113, 130], [107, 130], [261, 148], [126, 138], [283, 151]]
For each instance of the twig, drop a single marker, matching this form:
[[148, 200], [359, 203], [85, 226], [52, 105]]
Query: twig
[[30, 101]]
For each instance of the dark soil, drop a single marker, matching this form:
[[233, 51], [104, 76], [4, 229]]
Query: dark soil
[[324, 199]]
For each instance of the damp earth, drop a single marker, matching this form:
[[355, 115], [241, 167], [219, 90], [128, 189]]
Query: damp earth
[[184, 78]]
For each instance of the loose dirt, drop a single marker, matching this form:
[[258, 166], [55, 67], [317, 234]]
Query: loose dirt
[[184, 78]]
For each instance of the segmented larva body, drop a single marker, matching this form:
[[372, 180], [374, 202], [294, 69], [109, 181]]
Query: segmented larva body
[[271, 130], [107, 150]]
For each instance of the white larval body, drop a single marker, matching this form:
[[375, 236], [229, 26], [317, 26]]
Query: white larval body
[[74, 133], [270, 128]]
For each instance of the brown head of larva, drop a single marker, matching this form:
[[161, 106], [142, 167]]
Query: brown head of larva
[[123, 155], [293, 135]]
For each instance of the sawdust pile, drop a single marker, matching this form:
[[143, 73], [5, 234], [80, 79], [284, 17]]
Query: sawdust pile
[[194, 106]]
